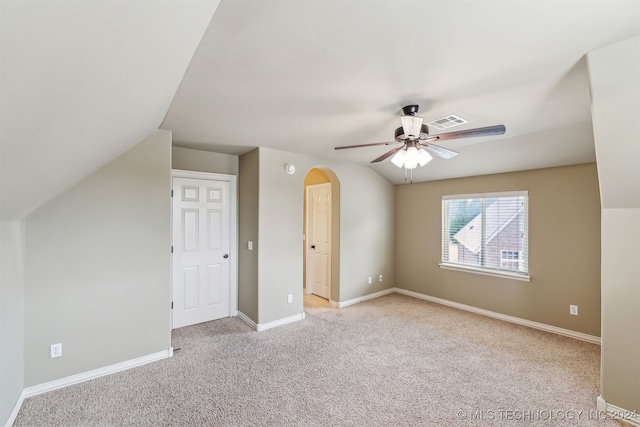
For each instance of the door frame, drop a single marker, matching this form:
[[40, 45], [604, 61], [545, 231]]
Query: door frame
[[233, 233], [307, 240]]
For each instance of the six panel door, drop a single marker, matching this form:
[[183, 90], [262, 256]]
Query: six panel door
[[201, 221]]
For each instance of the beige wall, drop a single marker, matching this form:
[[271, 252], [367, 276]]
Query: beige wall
[[249, 190], [280, 251], [97, 264], [365, 231], [620, 370], [364, 228], [614, 72], [11, 315], [203, 161], [564, 247]]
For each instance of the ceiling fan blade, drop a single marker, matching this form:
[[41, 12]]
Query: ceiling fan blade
[[436, 150], [486, 131], [387, 154], [365, 145]]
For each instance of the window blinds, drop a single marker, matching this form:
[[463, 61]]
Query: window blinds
[[486, 230]]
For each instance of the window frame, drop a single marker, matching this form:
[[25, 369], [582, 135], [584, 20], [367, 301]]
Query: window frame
[[481, 269], [507, 259]]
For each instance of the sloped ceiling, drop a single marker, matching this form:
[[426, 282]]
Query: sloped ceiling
[[307, 76], [84, 81]]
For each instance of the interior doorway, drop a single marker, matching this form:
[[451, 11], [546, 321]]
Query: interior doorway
[[314, 304], [321, 238], [318, 237], [204, 280]]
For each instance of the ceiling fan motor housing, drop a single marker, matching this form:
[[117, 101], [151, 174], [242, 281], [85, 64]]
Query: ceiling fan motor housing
[[410, 110], [401, 137]]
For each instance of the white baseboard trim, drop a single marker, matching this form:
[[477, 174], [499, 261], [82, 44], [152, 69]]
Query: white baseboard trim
[[85, 376], [259, 327], [601, 404], [341, 304], [246, 319], [97, 373], [16, 409], [512, 319], [285, 320], [617, 413], [505, 317]]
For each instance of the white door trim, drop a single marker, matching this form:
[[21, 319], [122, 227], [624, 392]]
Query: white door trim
[[308, 288], [233, 225], [307, 240], [307, 246]]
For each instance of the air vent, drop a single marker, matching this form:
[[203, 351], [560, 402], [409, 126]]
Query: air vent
[[446, 122]]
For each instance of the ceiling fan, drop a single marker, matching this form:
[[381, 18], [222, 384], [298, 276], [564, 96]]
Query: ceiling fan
[[417, 146]]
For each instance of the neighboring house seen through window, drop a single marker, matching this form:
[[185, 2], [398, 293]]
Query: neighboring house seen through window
[[486, 232], [510, 260]]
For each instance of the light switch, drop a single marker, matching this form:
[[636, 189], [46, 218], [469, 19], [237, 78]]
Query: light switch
[[250, 245]]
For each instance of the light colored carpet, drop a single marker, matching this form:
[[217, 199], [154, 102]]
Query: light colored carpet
[[392, 361]]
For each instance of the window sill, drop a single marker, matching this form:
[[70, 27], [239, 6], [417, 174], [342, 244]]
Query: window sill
[[486, 272]]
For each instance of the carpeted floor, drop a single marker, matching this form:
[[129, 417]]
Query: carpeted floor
[[391, 361]]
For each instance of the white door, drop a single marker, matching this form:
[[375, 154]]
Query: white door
[[201, 234], [319, 250]]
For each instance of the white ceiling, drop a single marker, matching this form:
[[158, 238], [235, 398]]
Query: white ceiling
[[82, 82], [307, 76]]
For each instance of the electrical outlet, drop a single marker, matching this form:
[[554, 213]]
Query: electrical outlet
[[380, 278], [290, 298], [369, 279], [56, 350], [573, 309]]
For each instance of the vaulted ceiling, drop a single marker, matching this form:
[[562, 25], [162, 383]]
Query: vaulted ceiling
[[84, 81], [81, 83]]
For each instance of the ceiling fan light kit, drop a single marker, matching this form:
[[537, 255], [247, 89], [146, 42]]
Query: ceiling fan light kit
[[399, 158], [417, 148], [411, 157]]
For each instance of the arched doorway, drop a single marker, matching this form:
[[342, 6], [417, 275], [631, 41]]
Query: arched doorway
[[321, 247]]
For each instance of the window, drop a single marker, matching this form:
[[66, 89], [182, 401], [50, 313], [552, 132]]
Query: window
[[486, 232], [510, 260]]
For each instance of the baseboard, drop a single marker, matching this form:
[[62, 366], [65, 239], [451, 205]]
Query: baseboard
[[500, 316], [16, 409], [246, 319], [85, 376], [259, 327], [512, 319], [97, 373], [341, 304], [617, 413], [285, 320]]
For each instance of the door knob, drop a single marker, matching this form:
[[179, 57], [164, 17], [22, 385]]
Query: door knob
[[225, 256], [313, 246]]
